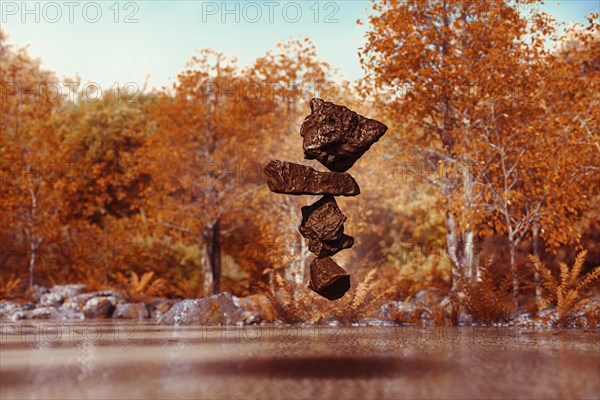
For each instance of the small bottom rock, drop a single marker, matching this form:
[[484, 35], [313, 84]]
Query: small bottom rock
[[328, 279]]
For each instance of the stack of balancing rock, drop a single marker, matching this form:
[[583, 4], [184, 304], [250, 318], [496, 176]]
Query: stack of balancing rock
[[337, 137]]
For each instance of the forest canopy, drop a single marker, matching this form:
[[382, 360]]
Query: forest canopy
[[484, 189]]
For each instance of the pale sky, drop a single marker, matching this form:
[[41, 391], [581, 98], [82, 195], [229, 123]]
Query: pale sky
[[160, 36]]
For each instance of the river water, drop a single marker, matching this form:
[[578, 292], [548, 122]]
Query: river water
[[108, 360]]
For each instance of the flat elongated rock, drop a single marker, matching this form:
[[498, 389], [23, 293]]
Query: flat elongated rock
[[326, 248], [290, 178], [322, 220], [336, 136], [328, 279]]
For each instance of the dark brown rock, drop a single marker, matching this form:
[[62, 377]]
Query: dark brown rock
[[326, 248], [289, 178], [328, 279], [322, 220], [337, 136]]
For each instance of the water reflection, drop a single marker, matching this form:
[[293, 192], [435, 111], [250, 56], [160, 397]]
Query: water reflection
[[109, 360]]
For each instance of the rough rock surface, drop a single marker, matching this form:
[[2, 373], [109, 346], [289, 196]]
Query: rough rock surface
[[323, 248], [322, 220], [131, 311], [37, 291], [51, 299], [336, 136], [68, 290], [160, 307], [290, 178], [328, 279], [45, 313], [69, 313], [11, 311], [79, 301], [219, 309]]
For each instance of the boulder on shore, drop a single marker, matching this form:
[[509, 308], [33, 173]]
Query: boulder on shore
[[219, 309], [131, 311], [99, 307]]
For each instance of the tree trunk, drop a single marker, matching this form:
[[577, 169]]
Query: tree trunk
[[303, 255], [536, 272], [463, 251], [33, 249], [216, 257], [212, 261], [463, 248], [513, 269], [452, 245], [469, 258]]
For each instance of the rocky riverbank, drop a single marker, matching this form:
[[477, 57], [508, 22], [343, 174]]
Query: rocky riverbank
[[72, 302]]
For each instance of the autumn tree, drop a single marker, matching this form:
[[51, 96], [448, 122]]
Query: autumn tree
[[203, 156], [569, 126], [443, 67], [100, 137], [30, 187], [291, 74]]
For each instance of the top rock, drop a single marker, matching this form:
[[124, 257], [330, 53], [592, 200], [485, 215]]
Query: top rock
[[336, 136]]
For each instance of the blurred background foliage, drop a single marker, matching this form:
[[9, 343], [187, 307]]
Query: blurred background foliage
[[164, 188]]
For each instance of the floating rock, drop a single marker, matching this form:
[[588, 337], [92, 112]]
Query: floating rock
[[336, 136], [98, 307], [328, 279], [290, 178], [322, 220], [218, 309], [51, 299], [329, 248], [131, 311]]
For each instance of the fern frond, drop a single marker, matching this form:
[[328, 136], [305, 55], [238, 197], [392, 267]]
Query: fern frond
[[134, 279], [578, 265], [143, 281], [565, 276], [566, 294], [589, 278], [362, 290]]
